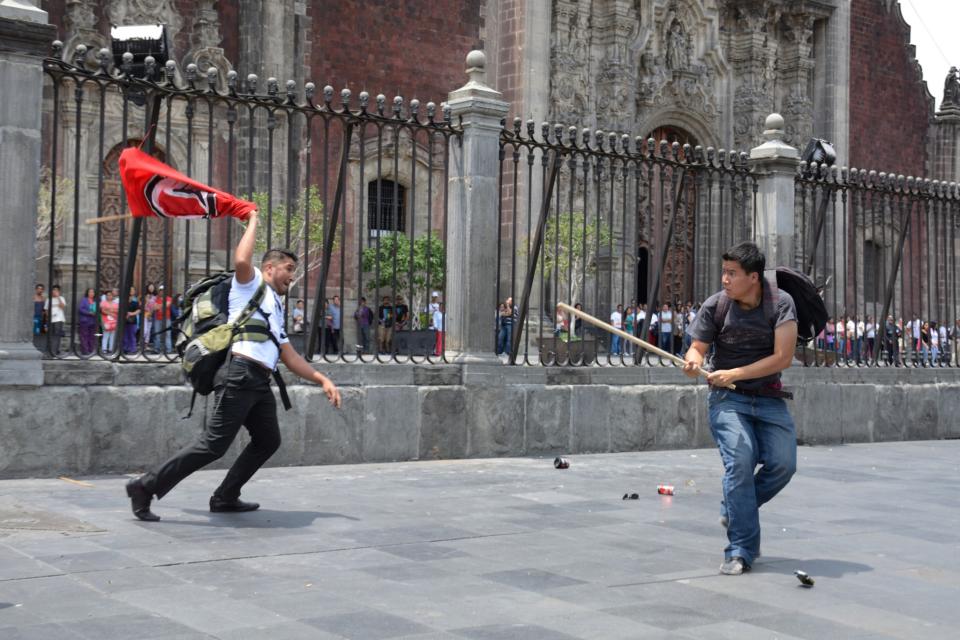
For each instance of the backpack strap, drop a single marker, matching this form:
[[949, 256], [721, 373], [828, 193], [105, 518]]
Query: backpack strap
[[770, 298], [257, 329], [723, 308]]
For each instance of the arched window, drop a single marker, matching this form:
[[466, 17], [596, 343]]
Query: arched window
[[386, 207]]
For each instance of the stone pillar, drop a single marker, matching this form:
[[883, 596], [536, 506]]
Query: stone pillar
[[472, 234], [25, 37], [775, 164]]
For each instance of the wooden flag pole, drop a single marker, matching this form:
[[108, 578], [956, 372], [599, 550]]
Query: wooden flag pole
[[124, 216], [632, 338]]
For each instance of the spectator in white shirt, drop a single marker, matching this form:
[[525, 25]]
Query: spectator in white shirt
[[55, 306], [616, 319]]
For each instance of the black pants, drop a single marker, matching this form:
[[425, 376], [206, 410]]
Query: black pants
[[244, 399]]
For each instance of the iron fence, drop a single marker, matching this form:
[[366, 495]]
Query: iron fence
[[358, 190], [634, 224], [884, 247]]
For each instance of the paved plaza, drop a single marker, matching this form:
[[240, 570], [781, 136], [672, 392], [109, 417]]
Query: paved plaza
[[493, 549]]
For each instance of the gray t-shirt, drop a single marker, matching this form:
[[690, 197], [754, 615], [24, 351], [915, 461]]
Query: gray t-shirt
[[746, 336]]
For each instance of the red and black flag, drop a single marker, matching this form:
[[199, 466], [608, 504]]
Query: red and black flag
[[155, 189]]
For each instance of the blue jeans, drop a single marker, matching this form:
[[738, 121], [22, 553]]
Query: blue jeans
[[751, 431], [666, 341], [505, 339], [614, 345], [160, 337]]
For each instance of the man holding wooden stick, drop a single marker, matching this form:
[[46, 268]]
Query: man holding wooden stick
[[754, 336]]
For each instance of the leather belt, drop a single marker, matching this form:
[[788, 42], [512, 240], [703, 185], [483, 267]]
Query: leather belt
[[251, 361], [762, 392]]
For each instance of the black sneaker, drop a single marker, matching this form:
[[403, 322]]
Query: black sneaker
[[140, 500], [734, 566], [219, 505]]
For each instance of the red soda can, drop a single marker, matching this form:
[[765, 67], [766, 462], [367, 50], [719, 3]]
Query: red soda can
[[665, 489]]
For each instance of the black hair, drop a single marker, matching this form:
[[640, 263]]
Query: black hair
[[278, 255], [748, 256], [56, 286]]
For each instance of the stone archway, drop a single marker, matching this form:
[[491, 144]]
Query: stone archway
[[678, 277], [114, 235]]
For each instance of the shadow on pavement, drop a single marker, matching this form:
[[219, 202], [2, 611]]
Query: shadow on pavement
[[259, 519], [816, 567]]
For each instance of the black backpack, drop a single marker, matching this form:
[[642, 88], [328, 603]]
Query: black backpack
[[811, 312], [205, 336]]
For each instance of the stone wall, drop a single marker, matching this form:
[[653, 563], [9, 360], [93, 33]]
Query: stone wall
[[890, 106], [414, 47], [126, 417]]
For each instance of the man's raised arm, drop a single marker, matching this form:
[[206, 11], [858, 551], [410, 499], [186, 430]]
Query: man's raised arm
[[243, 258]]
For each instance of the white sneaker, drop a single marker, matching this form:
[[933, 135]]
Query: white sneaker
[[734, 566]]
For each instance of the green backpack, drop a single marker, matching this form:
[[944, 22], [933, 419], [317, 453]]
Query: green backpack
[[205, 335]]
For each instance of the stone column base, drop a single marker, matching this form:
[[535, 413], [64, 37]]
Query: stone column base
[[20, 365]]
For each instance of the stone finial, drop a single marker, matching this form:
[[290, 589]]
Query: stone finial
[[477, 66], [476, 85], [774, 127], [774, 148]]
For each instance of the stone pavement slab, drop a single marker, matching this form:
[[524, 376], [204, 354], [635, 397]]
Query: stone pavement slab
[[494, 549]]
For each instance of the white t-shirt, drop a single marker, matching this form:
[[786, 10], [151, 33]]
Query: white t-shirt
[[55, 310], [666, 321], [915, 325], [934, 338], [266, 353], [437, 319], [871, 330], [851, 329], [616, 319]]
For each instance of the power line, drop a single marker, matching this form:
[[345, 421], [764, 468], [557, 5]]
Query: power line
[[929, 33]]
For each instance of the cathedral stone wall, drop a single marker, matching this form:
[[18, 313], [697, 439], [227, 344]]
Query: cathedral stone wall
[[412, 47], [890, 106]]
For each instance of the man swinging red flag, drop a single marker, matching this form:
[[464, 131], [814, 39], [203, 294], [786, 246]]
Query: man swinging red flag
[[157, 190]]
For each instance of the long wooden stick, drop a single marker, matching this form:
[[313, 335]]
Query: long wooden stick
[[632, 338], [124, 216]]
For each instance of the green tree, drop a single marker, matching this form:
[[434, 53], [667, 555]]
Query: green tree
[[572, 258], [301, 237], [393, 257]]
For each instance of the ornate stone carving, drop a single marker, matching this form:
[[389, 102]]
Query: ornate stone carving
[[569, 63], [678, 48], [796, 70], [670, 72], [206, 38], [951, 90], [81, 28], [80, 16], [206, 29], [753, 53]]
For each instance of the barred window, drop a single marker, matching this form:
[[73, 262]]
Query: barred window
[[386, 207]]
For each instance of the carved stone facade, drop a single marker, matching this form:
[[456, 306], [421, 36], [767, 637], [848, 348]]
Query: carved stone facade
[[714, 69]]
